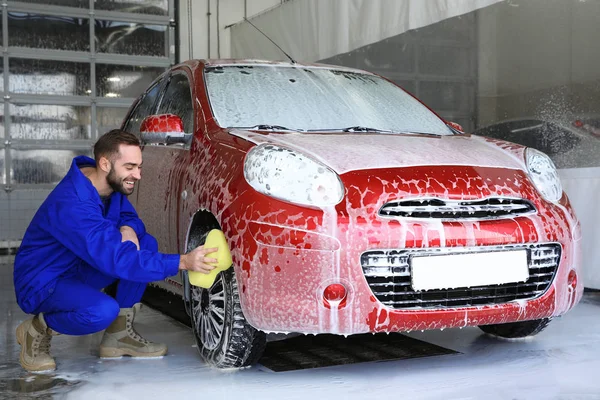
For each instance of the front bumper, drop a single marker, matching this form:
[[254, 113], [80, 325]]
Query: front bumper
[[282, 286]]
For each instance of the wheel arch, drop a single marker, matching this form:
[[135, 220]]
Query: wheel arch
[[200, 224]]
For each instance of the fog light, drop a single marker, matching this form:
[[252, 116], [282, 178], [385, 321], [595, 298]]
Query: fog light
[[334, 296], [572, 279]]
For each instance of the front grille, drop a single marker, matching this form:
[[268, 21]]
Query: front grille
[[492, 208], [388, 273]]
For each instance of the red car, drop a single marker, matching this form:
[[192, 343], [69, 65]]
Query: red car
[[348, 206]]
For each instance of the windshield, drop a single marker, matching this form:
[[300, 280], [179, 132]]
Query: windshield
[[314, 99]]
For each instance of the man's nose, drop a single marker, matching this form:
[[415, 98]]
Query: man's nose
[[137, 174]]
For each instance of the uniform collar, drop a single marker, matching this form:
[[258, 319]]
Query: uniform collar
[[83, 186]]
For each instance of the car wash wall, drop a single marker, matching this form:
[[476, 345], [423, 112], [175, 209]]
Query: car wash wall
[[70, 71]]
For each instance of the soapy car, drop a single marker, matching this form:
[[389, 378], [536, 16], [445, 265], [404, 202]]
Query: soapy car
[[348, 207]]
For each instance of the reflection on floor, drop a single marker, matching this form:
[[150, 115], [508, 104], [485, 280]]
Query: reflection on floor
[[560, 363]]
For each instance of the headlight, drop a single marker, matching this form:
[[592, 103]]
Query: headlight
[[291, 176], [543, 174]]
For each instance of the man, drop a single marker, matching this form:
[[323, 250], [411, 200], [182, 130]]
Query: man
[[85, 236]]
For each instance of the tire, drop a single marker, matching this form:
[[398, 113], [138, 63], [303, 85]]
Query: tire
[[516, 330], [187, 304], [230, 341]]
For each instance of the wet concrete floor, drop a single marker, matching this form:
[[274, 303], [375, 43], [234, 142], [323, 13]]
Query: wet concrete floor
[[562, 362]]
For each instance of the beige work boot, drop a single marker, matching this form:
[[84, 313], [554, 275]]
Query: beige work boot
[[34, 337], [121, 339]]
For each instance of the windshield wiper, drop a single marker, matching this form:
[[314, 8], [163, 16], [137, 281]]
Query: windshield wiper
[[351, 129], [266, 127], [364, 129]]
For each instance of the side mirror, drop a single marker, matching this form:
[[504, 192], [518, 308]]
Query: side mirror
[[164, 129], [455, 126]]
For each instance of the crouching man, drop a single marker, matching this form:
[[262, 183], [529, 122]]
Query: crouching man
[[85, 236]]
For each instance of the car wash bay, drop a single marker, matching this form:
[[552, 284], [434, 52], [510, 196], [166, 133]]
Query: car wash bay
[[518, 70], [560, 363]]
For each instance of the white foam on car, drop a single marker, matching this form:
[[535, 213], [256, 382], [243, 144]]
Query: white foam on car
[[354, 152]]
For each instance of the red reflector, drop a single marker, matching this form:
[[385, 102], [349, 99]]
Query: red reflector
[[578, 123], [335, 292], [572, 280], [334, 295]]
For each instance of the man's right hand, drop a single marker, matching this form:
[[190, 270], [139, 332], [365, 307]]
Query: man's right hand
[[196, 260]]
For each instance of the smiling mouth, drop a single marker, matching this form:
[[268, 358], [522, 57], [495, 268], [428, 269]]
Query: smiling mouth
[[130, 183]]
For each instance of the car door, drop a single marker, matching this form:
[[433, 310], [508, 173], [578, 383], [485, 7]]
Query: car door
[[158, 191]]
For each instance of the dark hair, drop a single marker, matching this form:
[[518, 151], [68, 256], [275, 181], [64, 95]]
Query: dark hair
[[108, 144]]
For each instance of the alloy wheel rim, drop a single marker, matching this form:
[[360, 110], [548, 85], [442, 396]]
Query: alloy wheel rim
[[208, 306]]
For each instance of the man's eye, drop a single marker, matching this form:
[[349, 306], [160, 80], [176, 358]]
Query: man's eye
[[129, 168]]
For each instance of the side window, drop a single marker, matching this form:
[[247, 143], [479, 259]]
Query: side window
[[178, 100], [143, 109]]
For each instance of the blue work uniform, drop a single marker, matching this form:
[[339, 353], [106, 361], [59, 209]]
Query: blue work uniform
[[73, 248]]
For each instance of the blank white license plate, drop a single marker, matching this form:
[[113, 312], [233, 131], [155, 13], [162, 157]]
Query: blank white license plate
[[451, 271]]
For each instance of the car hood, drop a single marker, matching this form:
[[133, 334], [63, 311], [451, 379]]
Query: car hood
[[352, 152]]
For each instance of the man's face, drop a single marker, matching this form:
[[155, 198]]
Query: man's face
[[125, 169]]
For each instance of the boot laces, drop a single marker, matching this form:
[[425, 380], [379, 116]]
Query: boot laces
[[41, 344], [133, 333], [44, 344]]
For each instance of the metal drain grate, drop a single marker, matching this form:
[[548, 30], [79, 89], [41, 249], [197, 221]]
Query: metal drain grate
[[306, 352]]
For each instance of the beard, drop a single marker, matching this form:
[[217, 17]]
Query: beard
[[116, 183]]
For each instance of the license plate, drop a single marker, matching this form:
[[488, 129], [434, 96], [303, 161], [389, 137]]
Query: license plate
[[451, 271]]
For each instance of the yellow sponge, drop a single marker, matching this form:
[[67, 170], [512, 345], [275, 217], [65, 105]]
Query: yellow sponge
[[215, 238]]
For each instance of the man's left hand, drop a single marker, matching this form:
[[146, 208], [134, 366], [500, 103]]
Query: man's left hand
[[127, 233]]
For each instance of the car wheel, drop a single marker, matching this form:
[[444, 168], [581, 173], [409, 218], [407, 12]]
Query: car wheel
[[223, 336], [516, 330]]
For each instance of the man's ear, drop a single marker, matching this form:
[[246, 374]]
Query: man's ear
[[104, 164]]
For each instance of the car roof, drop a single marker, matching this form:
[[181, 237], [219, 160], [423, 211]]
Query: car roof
[[253, 62]]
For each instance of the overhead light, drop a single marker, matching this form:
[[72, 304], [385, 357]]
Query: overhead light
[[89, 91], [112, 95], [114, 79]]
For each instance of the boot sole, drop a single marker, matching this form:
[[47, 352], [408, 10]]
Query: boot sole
[[21, 339], [118, 353]]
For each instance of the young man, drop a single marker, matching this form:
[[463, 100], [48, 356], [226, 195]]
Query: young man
[[85, 236]]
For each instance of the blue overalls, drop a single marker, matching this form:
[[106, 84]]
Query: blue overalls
[[73, 248]]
